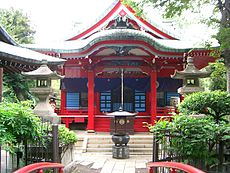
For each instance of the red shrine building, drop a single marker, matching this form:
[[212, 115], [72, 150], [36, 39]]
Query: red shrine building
[[120, 42]]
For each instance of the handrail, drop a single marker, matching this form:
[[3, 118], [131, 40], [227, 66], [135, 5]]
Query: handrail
[[175, 165], [39, 167]]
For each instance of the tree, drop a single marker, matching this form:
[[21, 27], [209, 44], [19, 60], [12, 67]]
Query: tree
[[18, 26], [222, 7]]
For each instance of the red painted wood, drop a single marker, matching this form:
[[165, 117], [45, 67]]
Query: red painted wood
[[175, 165], [97, 100], [173, 170], [67, 122], [138, 124], [90, 100], [39, 167], [153, 98], [63, 101], [83, 34], [102, 124], [79, 119]]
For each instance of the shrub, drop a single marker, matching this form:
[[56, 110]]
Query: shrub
[[18, 123], [212, 103]]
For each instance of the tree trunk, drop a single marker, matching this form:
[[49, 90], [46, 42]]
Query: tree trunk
[[224, 8], [228, 78], [227, 63]]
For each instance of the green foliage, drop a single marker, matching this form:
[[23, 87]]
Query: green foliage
[[223, 36], [214, 103], [218, 76], [66, 137], [17, 25], [18, 123], [190, 136], [16, 87], [176, 7], [137, 7]]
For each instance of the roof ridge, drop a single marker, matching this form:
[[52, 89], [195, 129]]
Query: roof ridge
[[6, 36]]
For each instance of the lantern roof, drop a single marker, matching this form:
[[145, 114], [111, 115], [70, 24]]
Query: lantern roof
[[121, 113], [43, 72], [190, 71]]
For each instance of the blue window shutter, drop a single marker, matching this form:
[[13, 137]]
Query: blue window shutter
[[140, 101], [72, 100], [105, 101]]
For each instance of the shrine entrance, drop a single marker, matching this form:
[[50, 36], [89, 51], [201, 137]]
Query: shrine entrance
[[128, 99]]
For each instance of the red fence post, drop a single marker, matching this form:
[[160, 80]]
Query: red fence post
[[61, 170], [173, 170], [40, 171]]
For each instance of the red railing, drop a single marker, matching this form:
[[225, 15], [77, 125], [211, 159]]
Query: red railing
[[164, 112], [173, 167], [39, 167]]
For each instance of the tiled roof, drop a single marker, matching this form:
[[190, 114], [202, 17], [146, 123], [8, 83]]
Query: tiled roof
[[115, 34]]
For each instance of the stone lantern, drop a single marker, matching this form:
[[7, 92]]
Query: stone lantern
[[190, 76], [43, 76]]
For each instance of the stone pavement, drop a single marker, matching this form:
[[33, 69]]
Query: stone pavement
[[99, 163]]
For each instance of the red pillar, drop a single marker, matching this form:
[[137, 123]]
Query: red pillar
[[153, 97], [90, 127], [63, 101]]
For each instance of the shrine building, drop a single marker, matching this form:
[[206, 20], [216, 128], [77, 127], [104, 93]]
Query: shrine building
[[120, 43]]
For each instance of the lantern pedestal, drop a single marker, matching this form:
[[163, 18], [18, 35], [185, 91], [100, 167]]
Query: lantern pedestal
[[43, 109], [120, 152]]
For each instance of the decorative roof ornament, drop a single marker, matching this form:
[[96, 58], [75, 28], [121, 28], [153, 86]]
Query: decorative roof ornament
[[190, 76]]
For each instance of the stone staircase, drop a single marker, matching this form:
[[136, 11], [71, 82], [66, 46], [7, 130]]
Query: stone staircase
[[140, 144]]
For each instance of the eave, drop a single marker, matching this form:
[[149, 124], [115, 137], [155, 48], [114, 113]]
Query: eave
[[118, 37]]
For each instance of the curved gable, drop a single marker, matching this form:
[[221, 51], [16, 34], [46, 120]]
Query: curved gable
[[123, 16]]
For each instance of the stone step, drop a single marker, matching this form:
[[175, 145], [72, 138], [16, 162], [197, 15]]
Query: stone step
[[92, 145], [109, 141], [109, 150]]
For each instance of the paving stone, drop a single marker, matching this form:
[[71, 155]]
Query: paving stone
[[140, 165], [108, 167], [129, 170], [98, 164], [119, 166], [85, 163]]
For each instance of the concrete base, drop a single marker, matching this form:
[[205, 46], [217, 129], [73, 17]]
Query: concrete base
[[120, 152]]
